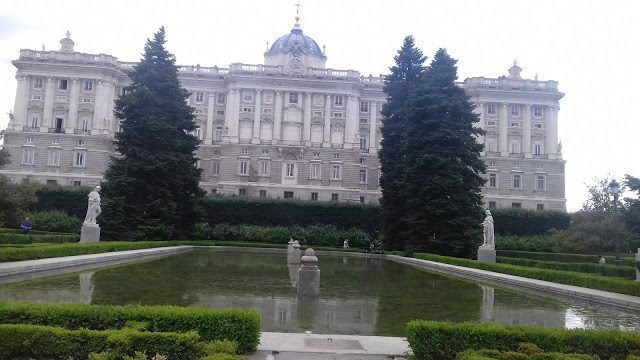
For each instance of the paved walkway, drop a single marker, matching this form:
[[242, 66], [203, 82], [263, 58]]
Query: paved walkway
[[290, 346]]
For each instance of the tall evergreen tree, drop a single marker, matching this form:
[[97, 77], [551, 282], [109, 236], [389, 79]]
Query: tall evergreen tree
[[405, 78], [150, 190], [441, 160]]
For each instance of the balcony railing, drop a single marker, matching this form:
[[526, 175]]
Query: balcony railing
[[316, 145], [30, 129], [289, 142], [364, 150], [265, 142], [337, 146], [81, 132], [540, 156], [492, 153], [56, 130], [516, 155]]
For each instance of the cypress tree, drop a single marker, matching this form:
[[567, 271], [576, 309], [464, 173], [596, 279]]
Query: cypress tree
[[405, 78], [441, 160], [150, 190]]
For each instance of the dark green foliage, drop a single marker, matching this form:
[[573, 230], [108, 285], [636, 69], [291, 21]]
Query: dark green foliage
[[17, 238], [314, 235], [400, 86], [222, 356], [56, 221], [545, 243], [44, 342], [526, 222], [243, 211], [593, 232], [240, 326], [42, 251], [516, 355], [151, 189], [617, 285], [16, 201], [72, 200], [443, 340], [563, 257], [588, 268], [441, 158], [631, 212]]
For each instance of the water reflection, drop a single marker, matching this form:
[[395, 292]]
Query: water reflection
[[358, 295]]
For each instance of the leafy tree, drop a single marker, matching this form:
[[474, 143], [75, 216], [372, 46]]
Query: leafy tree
[[400, 86], [151, 188], [441, 158], [631, 212], [601, 198], [4, 153]]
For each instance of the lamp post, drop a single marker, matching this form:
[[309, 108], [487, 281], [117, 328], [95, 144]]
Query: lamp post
[[615, 190]]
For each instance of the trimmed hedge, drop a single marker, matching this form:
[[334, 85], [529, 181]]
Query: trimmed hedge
[[42, 251], [588, 268], [617, 285], [72, 200], [20, 341], [239, 325], [443, 340], [11, 238], [511, 355], [526, 242], [527, 222], [562, 257]]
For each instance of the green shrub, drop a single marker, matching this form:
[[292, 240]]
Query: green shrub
[[443, 340], [617, 285], [223, 357], [72, 200], [562, 257], [512, 355], [13, 238], [589, 268], [527, 222], [240, 326], [20, 341], [56, 221], [526, 243]]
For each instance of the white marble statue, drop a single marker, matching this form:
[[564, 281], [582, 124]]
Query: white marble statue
[[489, 240], [93, 207]]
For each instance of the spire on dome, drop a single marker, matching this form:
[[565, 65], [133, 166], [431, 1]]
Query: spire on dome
[[298, 13]]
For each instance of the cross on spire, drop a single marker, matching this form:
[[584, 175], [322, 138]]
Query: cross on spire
[[297, 5]]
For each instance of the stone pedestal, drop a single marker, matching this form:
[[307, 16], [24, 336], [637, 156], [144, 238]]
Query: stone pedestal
[[637, 262], [487, 254], [309, 275], [90, 233], [293, 256]]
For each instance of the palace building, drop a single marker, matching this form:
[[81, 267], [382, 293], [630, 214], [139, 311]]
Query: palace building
[[288, 128]]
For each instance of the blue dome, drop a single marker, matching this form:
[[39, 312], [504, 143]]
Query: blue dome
[[295, 39]]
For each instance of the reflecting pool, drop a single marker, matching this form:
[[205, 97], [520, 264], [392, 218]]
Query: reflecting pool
[[358, 295]]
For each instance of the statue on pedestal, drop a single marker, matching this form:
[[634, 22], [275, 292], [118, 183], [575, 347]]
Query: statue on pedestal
[[93, 207], [487, 224]]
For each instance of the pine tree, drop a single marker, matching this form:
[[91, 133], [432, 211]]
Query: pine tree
[[400, 86], [441, 158], [150, 190]]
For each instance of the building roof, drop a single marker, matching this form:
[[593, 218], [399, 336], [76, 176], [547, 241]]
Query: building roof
[[294, 41]]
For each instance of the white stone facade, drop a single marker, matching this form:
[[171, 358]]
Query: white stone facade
[[290, 128]]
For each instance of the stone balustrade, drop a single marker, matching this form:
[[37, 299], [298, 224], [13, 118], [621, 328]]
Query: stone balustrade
[[510, 84]]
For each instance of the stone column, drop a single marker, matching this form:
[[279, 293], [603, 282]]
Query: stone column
[[277, 121], [306, 124], [74, 94], [526, 132], [97, 108], [373, 128], [208, 135], [326, 141], [232, 118], [47, 114], [479, 109], [108, 116], [20, 105], [256, 119], [293, 257], [351, 123], [551, 147], [309, 275], [503, 145]]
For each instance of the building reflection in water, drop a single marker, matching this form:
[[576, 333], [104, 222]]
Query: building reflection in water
[[501, 309], [82, 293]]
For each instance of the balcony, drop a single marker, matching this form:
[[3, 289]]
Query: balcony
[[316, 145], [265, 142], [30, 129], [56, 130], [337, 146], [540, 156], [81, 132], [289, 142], [516, 155], [492, 153], [364, 150]]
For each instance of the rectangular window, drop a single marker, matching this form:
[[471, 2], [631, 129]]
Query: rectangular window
[[492, 164], [516, 205], [293, 98], [336, 172], [491, 109], [244, 167], [338, 100], [334, 197], [493, 180], [34, 121], [517, 181], [54, 158], [364, 106], [36, 97], [364, 121], [244, 151], [263, 193], [537, 126], [88, 85], [290, 171], [37, 83], [540, 207], [537, 111], [267, 110], [28, 156], [80, 142], [79, 159], [338, 115], [77, 183], [364, 143], [220, 112], [318, 113], [220, 98], [491, 123], [514, 124], [315, 171], [264, 168], [87, 100], [200, 97], [363, 160], [215, 169], [361, 199], [314, 196], [63, 84], [316, 154], [537, 149], [218, 135], [288, 194], [247, 109], [515, 147], [336, 155], [515, 110], [540, 182], [242, 192], [52, 182], [492, 205], [363, 176]]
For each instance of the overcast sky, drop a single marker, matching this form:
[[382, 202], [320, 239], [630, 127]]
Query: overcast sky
[[589, 47]]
